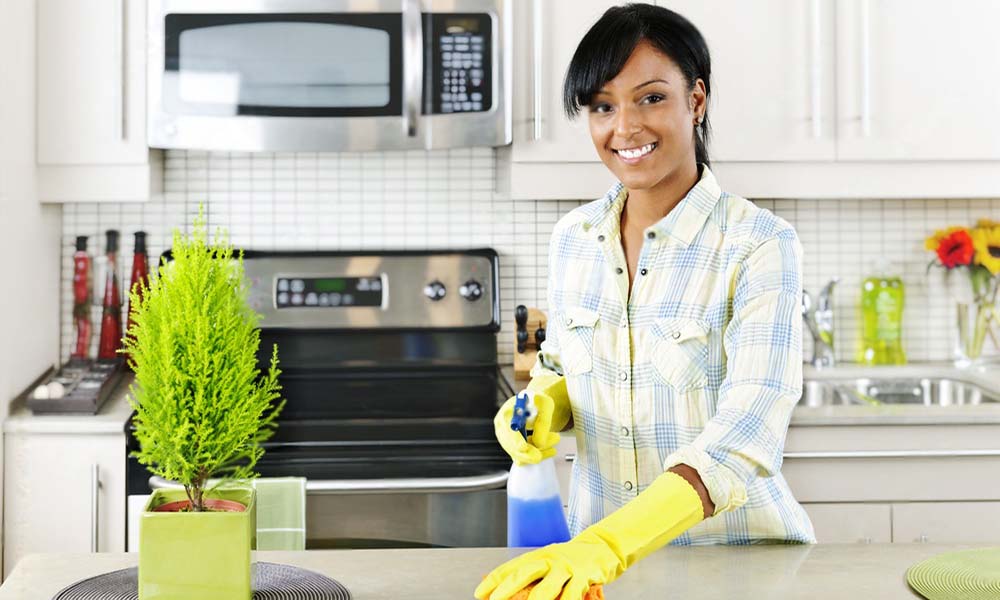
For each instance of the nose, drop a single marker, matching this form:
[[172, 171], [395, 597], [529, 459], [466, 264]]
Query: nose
[[627, 122]]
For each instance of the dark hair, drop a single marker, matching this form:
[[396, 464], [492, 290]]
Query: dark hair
[[604, 50]]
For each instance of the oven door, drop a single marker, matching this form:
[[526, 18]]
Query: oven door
[[326, 75]]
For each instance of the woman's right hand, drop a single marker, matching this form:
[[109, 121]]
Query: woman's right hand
[[540, 444]]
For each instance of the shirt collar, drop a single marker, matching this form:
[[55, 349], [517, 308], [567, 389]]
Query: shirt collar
[[682, 223]]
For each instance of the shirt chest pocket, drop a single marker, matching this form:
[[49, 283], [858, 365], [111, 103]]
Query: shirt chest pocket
[[680, 352], [577, 340]]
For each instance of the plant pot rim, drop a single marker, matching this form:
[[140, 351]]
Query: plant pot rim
[[223, 505]]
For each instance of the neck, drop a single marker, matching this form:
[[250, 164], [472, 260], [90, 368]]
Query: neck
[[645, 207]]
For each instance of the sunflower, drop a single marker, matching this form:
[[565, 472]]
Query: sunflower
[[933, 242], [986, 241]]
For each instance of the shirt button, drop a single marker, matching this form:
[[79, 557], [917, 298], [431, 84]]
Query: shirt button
[[600, 238], [628, 485], [651, 235], [625, 431], [676, 335], [619, 270], [643, 272], [569, 320], [623, 375]]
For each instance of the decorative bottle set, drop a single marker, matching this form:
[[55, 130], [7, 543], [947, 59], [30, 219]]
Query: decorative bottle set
[[111, 332]]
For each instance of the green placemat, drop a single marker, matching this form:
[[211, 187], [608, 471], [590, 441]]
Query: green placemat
[[962, 575]]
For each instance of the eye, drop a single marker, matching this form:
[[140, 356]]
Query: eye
[[600, 107], [653, 99]]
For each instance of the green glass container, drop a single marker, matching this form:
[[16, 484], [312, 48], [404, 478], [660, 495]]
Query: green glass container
[[882, 299]]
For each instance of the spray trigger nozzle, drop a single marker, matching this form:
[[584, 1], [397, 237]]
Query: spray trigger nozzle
[[524, 413]]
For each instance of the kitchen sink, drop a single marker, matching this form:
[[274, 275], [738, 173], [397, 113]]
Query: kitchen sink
[[886, 391]]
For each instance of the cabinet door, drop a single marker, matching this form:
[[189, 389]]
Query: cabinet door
[[917, 80], [946, 522], [552, 31], [91, 82], [63, 493], [772, 77], [851, 523]]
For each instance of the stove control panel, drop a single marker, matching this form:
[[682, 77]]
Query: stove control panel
[[433, 289]]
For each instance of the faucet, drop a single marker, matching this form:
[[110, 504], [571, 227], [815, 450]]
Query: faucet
[[819, 319]]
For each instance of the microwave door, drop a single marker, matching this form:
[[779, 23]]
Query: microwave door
[[294, 75]]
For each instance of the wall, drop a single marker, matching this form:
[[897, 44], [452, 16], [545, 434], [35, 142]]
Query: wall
[[446, 198], [29, 233]]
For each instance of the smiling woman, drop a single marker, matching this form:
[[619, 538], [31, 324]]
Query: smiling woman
[[674, 345]]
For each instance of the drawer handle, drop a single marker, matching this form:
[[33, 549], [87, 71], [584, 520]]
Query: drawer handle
[[570, 457]]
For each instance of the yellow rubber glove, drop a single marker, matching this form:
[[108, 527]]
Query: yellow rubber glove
[[601, 552], [552, 402]]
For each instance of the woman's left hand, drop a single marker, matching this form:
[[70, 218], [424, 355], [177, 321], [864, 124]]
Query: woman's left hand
[[566, 571]]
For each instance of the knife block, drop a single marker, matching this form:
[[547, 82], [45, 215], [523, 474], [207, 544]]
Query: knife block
[[523, 361]]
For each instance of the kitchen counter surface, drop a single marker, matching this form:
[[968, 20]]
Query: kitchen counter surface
[[695, 573], [110, 418]]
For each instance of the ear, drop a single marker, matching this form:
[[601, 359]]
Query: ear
[[697, 101]]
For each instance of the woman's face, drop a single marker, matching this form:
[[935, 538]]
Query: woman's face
[[642, 121]]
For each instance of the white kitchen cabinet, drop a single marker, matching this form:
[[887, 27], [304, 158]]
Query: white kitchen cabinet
[[916, 80], [63, 493], [91, 99], [816, 99], [860, 523], [946, 522]]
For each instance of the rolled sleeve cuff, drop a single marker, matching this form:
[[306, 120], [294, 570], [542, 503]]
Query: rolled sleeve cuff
[[727, 490]]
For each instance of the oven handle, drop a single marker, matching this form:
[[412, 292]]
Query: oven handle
[[413, 65], [415, 485]]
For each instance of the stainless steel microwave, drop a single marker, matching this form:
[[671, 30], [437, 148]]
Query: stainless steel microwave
[[337, 75]]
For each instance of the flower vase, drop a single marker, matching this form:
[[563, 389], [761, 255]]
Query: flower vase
[[974, 326]]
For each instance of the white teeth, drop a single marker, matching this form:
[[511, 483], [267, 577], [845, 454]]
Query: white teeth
[[637, 152]]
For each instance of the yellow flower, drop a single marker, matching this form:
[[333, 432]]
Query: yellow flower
[[987, 224], [935, 240], [986, 240]]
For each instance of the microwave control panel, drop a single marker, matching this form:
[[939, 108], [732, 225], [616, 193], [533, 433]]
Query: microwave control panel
[[462, 63]]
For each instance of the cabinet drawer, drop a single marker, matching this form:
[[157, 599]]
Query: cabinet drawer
[[565, 454], [851, 523], [946, 522]]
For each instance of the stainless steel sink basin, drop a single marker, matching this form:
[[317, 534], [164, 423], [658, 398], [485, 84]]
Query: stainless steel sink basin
[[885, 391]]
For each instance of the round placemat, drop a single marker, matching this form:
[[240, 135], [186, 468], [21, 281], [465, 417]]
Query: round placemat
[[961, 575], [270, 581]]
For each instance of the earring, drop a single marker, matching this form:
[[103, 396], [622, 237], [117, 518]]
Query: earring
[[699, 120]]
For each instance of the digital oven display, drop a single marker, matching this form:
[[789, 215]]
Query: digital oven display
[[327, 292]]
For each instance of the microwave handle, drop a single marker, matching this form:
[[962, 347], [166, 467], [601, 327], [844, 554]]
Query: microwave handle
[[413, 65]]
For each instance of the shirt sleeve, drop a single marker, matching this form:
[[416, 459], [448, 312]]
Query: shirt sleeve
[[763, 345], [548, 361]]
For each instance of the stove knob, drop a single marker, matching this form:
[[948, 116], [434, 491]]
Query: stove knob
[[435, 290], [471, 290]]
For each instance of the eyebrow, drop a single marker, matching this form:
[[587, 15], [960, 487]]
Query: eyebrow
[[641, 85]]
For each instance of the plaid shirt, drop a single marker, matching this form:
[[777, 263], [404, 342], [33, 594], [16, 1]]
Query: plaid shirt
[[702, 365]]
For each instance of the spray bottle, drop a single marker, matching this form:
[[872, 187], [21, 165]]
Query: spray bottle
[[535, 514]]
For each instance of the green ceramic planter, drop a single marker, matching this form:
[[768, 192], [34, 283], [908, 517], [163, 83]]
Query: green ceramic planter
[[196, 556]]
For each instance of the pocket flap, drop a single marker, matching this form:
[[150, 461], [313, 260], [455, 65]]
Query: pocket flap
[[577, 316], [678, 329]]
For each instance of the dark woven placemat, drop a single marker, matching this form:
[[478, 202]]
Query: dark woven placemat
[[270, 581]]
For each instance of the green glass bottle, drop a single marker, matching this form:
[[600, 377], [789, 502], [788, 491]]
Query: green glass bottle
[[882, 295]]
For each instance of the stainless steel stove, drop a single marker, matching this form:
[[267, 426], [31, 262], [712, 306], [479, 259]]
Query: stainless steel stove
[[389, 368]]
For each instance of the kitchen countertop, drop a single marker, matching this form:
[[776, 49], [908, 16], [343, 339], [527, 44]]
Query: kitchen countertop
[[817, 572], [110, 418]]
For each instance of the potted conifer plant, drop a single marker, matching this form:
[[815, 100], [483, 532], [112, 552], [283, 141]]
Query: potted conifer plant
[[202, 409]]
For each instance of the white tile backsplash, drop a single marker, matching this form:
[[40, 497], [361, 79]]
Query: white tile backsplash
[[419, 200]]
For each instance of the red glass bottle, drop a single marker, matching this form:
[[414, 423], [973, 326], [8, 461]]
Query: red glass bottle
[[111, 319], [140, 276], [82, 290]]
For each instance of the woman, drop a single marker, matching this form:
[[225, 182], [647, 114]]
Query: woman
[[674, 339]]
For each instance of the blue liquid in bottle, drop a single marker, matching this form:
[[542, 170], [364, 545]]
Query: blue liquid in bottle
[[535, 523]]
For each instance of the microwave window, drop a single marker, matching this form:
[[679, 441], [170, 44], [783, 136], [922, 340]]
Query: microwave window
[[296, 65]]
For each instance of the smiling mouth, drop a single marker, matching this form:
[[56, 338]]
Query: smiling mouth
[[634, 154]]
